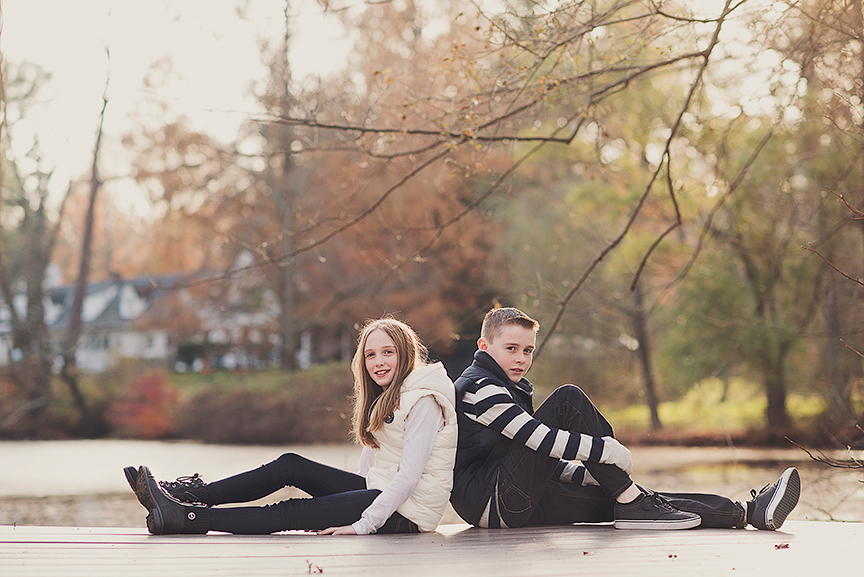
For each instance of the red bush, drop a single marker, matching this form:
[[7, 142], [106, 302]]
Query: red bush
[[145, 411]]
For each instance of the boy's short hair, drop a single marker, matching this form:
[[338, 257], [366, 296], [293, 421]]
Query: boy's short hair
[[498, 317]]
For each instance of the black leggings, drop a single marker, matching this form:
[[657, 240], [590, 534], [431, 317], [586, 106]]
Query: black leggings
[[338, 498]]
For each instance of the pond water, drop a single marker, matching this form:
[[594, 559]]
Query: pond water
[[81, 483]]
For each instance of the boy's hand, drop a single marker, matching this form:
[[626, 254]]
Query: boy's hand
[[614, 453]]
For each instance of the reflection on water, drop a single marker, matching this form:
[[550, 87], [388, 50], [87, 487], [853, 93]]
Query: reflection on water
[[827, 493]]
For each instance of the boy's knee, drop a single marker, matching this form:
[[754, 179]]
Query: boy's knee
[[569, 391]]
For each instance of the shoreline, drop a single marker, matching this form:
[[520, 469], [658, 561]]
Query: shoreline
[[81, 483]]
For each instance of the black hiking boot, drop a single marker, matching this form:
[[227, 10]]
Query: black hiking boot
[[169, 516], [132, 478], [769, 509], [192, 490], [651, 511]]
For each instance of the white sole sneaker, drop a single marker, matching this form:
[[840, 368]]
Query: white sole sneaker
[[665, 525], [783, 500], [651, 512]]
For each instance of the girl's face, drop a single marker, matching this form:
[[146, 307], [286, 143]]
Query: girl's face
[[380, 357]]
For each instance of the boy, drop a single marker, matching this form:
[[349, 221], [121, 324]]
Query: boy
[[514, 466]]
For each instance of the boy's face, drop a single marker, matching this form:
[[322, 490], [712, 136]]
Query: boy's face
[[513, 350]]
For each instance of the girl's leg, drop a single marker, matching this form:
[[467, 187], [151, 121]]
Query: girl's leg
[[334, 510], [288, 470]]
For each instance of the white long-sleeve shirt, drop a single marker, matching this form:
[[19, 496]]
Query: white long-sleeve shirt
[[422, 424]]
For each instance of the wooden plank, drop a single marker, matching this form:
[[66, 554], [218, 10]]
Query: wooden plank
[[802, 547]]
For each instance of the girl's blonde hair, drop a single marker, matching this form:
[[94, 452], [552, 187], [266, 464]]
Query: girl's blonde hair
[[372, 404]]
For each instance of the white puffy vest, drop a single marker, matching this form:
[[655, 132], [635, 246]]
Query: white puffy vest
[[427, 503]]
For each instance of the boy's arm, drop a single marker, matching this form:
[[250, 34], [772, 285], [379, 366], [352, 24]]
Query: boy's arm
[[491, 405]]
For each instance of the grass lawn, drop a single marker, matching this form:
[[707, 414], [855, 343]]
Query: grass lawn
[[711, 406]]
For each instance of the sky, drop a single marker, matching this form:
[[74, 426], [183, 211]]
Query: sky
[[214, 60]]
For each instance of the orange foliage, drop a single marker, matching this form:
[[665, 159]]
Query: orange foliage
[[120, 244], [144, 411]]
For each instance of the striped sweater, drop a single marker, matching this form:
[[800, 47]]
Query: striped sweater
[[489, 406], [492, 405]]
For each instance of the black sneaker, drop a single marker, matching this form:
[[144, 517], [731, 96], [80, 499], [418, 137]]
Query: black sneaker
[[769, 509], [191, 490], [651, 511], [169, 516]]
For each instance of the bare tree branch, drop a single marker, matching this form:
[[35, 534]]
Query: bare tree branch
[[316, 243], [564, 303], [851, 463], [856, 351], [829, 263], [665, 233], [706, 227]]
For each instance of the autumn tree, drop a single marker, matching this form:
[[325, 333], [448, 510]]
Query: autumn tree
[[30, 223], [490, 86], [308, 209], [487, 92]]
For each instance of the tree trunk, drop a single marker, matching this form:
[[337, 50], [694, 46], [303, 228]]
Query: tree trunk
[[774, 380], [69, 372], [640, 325], [285, 195], [287, 324], [859, 14], [839, 394]]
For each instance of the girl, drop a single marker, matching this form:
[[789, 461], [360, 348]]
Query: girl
[[403, 416]]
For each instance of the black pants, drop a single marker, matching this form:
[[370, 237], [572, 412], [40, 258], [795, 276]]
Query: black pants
[[337, 498], [527, 495]]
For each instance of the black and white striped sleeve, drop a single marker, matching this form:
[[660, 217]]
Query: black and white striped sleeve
[[573, 473], [491, 405]]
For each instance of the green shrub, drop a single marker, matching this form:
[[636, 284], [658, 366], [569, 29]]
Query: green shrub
[[714, 404]]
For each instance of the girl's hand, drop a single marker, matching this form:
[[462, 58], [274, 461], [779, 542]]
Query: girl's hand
[[346, 530]]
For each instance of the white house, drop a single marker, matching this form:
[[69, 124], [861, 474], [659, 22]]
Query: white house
[[125, 319], [110, 323]]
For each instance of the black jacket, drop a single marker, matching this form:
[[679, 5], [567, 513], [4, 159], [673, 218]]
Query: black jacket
[[480, 448]]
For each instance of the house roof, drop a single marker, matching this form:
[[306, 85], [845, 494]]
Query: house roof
[[109, 304]]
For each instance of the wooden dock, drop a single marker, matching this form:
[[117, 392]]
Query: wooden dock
[[801, 548]]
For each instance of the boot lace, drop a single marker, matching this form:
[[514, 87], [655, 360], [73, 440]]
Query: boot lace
[[188, 482], [754, 494], [190, 490]]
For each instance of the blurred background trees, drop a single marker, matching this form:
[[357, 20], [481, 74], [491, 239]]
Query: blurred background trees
[[641, 176]]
